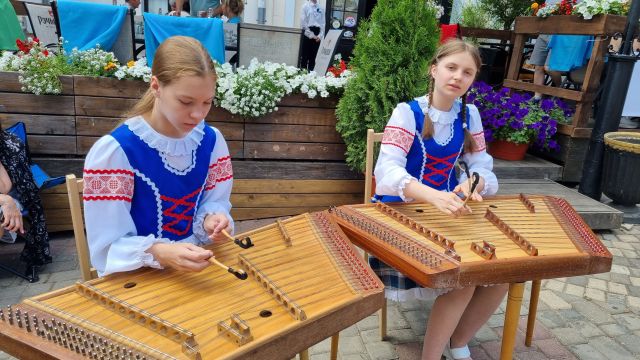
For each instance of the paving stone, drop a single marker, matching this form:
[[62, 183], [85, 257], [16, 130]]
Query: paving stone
[[568, 336], [606, 236], [486, 334], [350, 331], [630, 342], [578, 280], [621, 244], [593, 312], [553, 349], [4, 356], [620, 278], [492, 348], [368, 323], [613, 330], [615, 252], [409, 351], [530, 355], [594, 294], [381, 351], [597, 284], [616, 304], [550, 319], [496, 320], [602, 276], [350, 345], [36, 289], [634, 301], [630, 254], [574, 290], [619, 269], [322, 347], [370, 336], [635, 281], [586, 329], [399, 336], [587, 352], [554, 285], [478, 353], [553, 300], [411, 305], [65, 275], [611, 349], [622, 261], [630, 321], [395, 319], [353, 357], [625, 238], [617, 288]]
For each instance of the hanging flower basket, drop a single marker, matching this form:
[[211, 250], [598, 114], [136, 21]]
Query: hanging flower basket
[[622, 167], [507, 150]]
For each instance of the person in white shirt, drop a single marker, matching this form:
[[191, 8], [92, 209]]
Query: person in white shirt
[[312, 21], [156, 190], [422, 141]]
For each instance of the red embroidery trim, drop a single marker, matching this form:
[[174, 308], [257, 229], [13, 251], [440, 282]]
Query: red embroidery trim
[[96, 198], [481, 145], [219, 172], [108, 184], [397, 136], [108, 171]]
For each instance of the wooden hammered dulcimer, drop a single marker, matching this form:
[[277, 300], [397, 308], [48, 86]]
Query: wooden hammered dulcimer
[[305, 283], [505, 239]]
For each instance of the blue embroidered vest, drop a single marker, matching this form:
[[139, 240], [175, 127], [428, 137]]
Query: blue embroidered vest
[[164, 202], [430, 162]]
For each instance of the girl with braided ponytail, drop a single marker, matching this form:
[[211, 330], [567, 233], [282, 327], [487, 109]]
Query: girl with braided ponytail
[[421, 143]]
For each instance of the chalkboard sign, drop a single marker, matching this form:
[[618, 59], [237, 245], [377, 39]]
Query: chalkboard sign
[[269, 43], [324, 57]]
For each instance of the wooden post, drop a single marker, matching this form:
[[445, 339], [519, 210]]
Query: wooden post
[[335, 340]]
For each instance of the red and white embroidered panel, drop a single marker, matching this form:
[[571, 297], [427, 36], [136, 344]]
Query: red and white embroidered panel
[[481, 145], [219, 171], [111, 184], [397, 136]]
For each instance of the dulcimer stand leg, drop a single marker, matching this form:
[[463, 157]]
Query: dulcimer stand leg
[[335, 340], [304, 354], [512, 315], [533, 309]]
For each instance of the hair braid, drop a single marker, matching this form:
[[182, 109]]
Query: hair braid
[[427, 127], [469, 143]]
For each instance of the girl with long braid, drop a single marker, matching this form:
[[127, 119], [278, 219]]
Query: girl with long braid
[[421, 144]]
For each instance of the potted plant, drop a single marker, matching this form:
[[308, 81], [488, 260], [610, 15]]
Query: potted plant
[[512, 121]]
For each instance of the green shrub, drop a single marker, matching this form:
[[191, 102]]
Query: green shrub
[[391, 57]]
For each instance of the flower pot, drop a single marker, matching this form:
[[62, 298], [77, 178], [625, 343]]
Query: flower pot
[[507, 150], [622, 167]]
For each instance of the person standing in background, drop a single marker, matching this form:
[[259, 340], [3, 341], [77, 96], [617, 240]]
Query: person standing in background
[[200, 5], [231, 9], [312, 22], [133, 4]]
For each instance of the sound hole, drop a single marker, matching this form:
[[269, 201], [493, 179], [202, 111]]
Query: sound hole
[[265, 313], [419, 210], [493, 206], [129, 285]]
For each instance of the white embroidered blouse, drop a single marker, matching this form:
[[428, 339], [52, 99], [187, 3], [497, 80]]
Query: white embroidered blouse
[[390, 171], [113, 241]]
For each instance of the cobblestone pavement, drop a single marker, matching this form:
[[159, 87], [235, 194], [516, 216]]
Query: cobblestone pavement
[[586, 317]]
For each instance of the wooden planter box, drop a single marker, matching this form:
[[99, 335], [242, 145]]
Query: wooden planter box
[[285, 163], [572, 137]]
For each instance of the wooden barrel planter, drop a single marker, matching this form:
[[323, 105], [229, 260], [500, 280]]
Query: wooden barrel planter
[[285, 163]]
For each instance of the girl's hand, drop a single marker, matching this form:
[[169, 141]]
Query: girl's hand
[[464, 187], [449, 203], [182, 257], [214, 224], [12, 218]]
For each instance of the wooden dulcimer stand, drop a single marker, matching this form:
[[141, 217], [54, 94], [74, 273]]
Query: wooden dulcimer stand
[[507, 239], [305, 283]]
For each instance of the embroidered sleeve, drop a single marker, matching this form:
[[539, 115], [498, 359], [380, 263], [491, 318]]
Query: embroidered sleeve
[[111, 233], [216, 197], [391, 174], [480, 161]]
